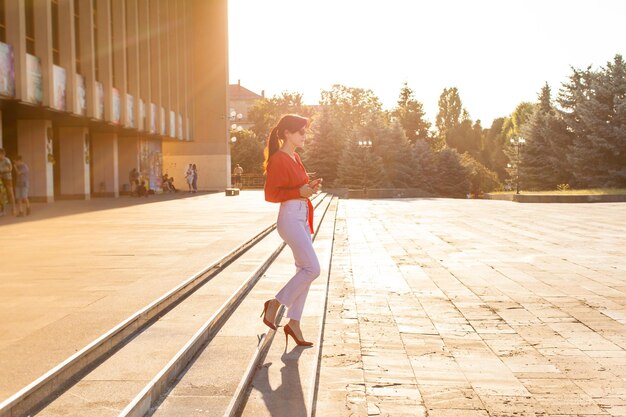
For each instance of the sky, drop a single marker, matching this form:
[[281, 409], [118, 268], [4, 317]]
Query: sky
[[498, 53]]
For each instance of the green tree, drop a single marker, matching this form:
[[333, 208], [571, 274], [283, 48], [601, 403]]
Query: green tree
[[425, 172], [247, 151], [543, 166], [450, 115], [410, 114], [351, 107], [361, 168], [266, 113], [481, 179], [452, 176], [323, 149], [492, 152], [512, 129], [594, 108]]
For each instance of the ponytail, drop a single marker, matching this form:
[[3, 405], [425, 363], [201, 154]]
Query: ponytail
[[290, 122], [272, 146]]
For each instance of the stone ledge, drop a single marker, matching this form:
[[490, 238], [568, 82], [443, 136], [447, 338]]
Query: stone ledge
[[536, 198]]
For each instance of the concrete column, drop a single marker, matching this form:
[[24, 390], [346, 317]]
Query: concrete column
[[128, 154], [182, 63], [145, 67], [67, 51], [174, 62], [1, 146], [118, 13], [15, 19], [132, 54], [43, 48], [87, 55], [164, 26], [105, 164], [155, 64], [34, 143], [74, 160], [104, 56]]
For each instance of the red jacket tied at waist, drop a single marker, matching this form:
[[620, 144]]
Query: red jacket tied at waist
[[284, 179]]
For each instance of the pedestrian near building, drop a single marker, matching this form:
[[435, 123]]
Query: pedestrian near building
[[22, 184], [194, 178], [189, 177], [133, 179], [238, 172], [6, 177], [287, 183]]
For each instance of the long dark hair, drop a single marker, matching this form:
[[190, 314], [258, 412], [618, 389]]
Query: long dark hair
[[290, 122]]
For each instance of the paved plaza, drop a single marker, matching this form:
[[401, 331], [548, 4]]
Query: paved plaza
[[476, 308], [437, 307]]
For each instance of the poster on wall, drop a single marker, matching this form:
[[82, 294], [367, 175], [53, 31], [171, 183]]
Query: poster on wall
[[142, 116], [59, 83], [7, 71], [163, 121], [115, 94], [172, 124], [81, 95], [130, 111], [100, 100], [180, 126], [153, 118], [188, 131], [34, 86], [151, 162]]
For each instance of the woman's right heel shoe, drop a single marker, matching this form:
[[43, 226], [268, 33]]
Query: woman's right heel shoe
[[289, 332], [265, 321]]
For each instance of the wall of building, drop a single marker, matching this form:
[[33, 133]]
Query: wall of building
[[124, 71]]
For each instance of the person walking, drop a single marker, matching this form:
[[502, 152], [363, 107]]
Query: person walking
[[194, 178], [6, 176], [21, 187], [287, 183], [238, 172], [189, 176]]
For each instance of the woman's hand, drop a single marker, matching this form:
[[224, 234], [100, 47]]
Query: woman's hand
[[316, 184], [306, 191]]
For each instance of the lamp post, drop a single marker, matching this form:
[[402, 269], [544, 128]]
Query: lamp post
[[366, 145], [235, 117], [517, 141]]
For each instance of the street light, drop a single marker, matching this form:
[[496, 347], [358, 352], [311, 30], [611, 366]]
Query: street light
[[518, 141], [365, 144]]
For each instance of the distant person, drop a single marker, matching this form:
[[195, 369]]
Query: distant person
[[21, 187], [6, 177], [189, 176], [238, 172], [287, 183], [133, 179], [142, 190], [194, 178], [167, 183]]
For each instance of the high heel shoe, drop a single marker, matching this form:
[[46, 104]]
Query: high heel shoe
[[267, 323], [289, 332]]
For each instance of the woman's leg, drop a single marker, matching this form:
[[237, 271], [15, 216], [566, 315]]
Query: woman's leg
[[294, 230]]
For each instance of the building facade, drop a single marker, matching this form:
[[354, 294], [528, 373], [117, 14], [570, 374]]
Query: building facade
[[90, 89], [241, 100]]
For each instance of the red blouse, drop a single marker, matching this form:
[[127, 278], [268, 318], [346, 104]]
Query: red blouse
[[284, 179]]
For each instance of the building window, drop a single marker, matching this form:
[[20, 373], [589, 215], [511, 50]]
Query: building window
[[56, 57], [77, 34], [3, 28], [30, 26]]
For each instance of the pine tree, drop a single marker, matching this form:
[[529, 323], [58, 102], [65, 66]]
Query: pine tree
[[542, 166], [410, 114], [360, 167], [424, 175], [324, 148], [594, 107], [452, 176]]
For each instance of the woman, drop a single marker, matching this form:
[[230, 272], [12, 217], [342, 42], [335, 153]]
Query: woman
[[194, 178], [287, 183]]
